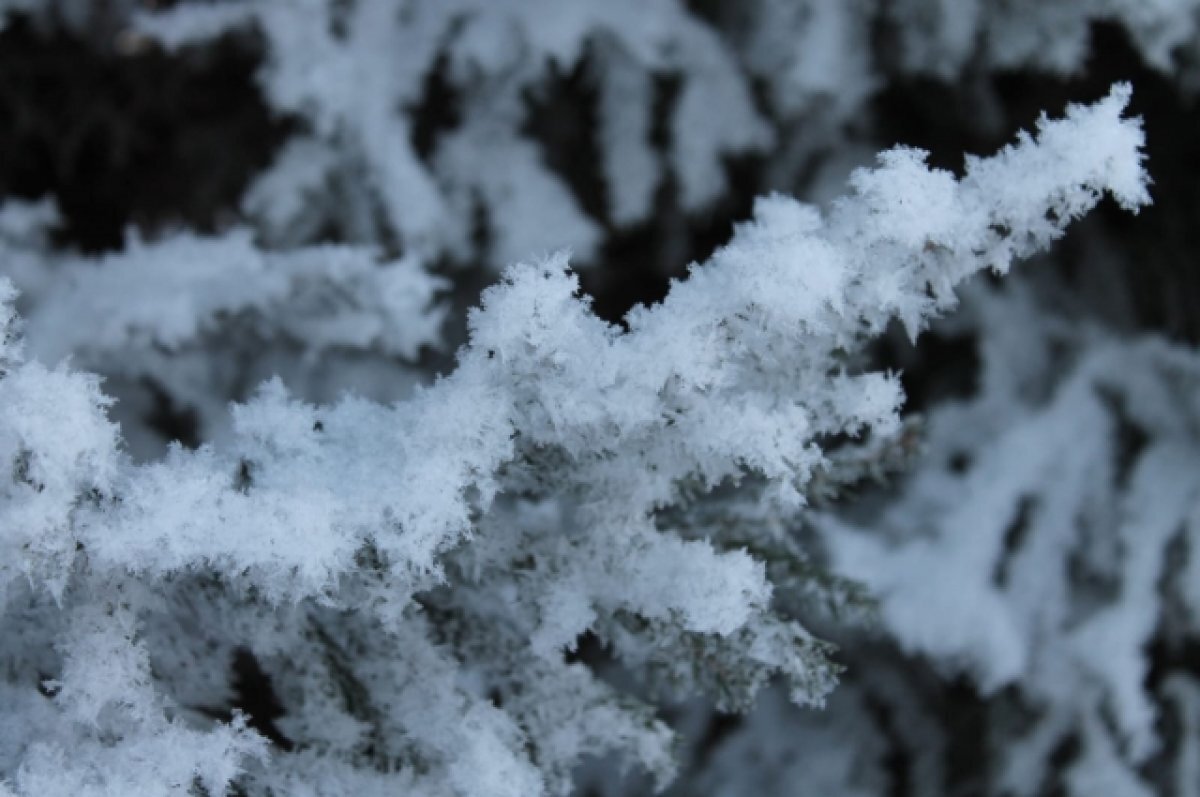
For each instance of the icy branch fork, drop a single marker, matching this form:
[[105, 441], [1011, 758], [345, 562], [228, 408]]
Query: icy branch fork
[[740, 369]]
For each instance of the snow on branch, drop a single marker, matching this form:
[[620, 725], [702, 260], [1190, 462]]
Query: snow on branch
[[356, 75], [458, 542], [707, 383], [200, 320], [1041, 524]]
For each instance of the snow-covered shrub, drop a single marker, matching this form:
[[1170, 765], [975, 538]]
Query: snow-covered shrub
[[944, 36], [357, 73], [1037, 570], [1058, 508], [413, 119], [195, 322], [410, 575]]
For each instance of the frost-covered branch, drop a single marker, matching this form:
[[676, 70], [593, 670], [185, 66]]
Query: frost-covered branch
[[411, 574], [1052, 524], [357, 73], [199, 321]]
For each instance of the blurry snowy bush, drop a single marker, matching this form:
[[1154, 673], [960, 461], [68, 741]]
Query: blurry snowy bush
[[1059, 507], [589, 542], [356, 74]]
